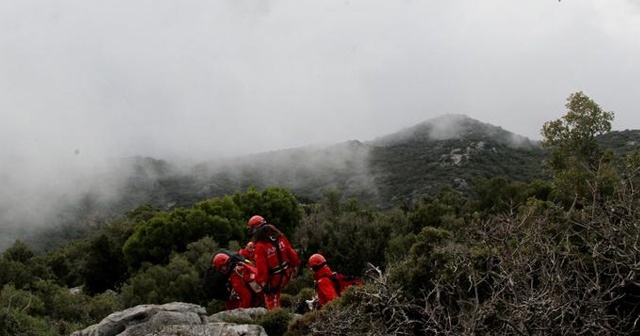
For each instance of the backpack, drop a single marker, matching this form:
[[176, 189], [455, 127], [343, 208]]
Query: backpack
[[215, 283], [341, 282]]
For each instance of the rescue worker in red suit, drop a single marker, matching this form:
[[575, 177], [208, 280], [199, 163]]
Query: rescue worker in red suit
[[245, 291], [247, 251], [321, 276], [275, 260]]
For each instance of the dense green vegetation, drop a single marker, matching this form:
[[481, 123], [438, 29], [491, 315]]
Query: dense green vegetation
[[528, 256]]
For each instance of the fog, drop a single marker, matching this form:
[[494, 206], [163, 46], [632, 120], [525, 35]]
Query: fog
[[85, 82]]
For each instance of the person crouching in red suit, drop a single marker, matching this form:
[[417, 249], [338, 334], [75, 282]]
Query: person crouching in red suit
[[322, 277], [245, 291]]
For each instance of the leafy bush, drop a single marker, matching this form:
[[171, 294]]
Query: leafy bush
[[277, 205], [303, 326], [24, 301], [104, 267], [275, 322], [100, 306], [304, 279], [18, 323], [158, 284], [223, 219], [345, 233], [287, 301]]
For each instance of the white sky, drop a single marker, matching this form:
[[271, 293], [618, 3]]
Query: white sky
[[197, 79], [82, 81]]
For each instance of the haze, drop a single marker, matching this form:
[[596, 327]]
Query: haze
[[83, 82]]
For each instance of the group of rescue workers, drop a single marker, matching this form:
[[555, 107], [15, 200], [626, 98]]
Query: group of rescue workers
[[270, 262]]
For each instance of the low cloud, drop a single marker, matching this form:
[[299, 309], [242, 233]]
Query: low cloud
[[87, 82]]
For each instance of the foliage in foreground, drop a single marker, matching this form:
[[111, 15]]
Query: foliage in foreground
[[537, 271]]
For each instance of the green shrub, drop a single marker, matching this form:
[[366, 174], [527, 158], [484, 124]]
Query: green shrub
[[347, 234], [303, 325], [287, 301], [104, 304], [306, 294], [302, 280], [177, 281], [214, 306], [427, 258], [275, 322], [239, 320], [17, 323], [12, 298]]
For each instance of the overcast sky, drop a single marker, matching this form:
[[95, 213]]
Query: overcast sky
[[201, 78], [84, 81]]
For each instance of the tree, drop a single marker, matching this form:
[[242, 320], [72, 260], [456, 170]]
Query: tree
[[581, 168], [442, 210], [223, 219], [179, 280], [105, 267], [19, 266], [346, 233], [19, 252], [277, 205]]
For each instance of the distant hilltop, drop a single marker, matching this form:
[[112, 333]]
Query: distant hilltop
[[455, 126]]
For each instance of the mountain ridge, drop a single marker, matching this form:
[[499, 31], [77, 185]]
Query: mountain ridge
[[400, 167], [451, 126]]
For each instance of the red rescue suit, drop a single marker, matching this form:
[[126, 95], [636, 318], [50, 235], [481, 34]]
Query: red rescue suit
[[276, 265], [324, 285], [247, 251], [245, 290]]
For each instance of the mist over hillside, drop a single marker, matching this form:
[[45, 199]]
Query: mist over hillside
[[37, 194], [52, 206], [307, 171], [455, 126]]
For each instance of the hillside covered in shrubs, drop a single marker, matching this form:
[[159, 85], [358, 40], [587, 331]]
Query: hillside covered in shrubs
[[555, 253]]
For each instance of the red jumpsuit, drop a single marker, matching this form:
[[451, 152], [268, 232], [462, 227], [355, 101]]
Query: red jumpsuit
[[274, 268], [325, 286], [246, 253], [245, 289]]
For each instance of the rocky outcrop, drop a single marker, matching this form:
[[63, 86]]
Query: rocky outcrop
[[175, 318], [237, 315]]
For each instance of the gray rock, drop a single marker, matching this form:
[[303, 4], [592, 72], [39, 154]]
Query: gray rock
[[213, 329], [237, 314], [175, 318]]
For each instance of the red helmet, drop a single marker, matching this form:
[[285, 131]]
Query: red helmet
[[317, 261], [221, 262], [256, 221]]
